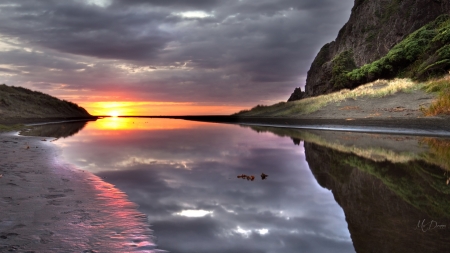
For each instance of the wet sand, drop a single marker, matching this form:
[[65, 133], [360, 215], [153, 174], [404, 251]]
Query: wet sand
[[427, 126], [47, 205]]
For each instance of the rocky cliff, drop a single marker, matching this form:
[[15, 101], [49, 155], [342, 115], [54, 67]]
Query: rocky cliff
[[374, 28]]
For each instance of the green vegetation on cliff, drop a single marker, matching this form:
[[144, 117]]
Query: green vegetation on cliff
[[342, 64], [421, 55]]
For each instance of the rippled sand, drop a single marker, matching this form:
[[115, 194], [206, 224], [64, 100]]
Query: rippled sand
[[47, 205]]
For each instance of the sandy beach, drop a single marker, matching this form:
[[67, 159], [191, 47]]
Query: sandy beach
[[47, 205], [399, 105], [399, 113]]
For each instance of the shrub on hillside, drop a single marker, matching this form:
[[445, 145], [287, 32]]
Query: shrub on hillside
[[422, 55]]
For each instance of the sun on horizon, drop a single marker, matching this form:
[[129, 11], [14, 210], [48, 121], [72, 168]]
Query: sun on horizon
[[145, 108], [114, 114]]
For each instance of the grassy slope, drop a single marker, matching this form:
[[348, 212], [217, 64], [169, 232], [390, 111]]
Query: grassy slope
[[18, 102], [424, 54], [440, 87]]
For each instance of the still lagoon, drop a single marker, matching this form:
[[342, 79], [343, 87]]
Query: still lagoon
[[200, 185]]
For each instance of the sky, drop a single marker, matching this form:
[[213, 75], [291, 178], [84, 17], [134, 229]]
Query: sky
[[165, 57]]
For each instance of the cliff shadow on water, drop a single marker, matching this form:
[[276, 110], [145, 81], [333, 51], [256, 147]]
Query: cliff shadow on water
[[56, 130], [394, 190]]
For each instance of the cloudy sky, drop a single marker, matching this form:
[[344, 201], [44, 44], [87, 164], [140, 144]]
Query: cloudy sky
[[205, 56]]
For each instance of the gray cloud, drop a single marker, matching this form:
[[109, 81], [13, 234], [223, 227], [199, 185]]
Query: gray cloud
[[84, 30], [6, 70], [243, 52]]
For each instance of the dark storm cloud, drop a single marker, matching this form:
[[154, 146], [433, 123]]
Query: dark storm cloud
[[32, 60], [173, 3], [237, 51], [82, 29]]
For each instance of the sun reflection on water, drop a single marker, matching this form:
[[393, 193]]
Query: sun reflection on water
[[118, 123]]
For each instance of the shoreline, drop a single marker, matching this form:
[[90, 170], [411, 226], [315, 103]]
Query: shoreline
[[48, 205], [422, 126], [30, 121], [427, 126]]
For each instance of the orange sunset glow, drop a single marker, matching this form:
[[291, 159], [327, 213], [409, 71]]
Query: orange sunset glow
[[129, 108], [124, 124]]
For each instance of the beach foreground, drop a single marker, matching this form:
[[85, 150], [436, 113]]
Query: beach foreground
[[49, 206]]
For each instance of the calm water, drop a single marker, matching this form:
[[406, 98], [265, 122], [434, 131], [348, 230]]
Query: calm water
[[325, 191]]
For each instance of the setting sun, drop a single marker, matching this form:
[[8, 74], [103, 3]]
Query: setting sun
[[114, 114]]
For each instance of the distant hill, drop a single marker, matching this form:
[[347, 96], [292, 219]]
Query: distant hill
[[18, 102]]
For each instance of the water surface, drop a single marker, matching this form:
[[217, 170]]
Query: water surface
[[183, 175], [325, 191]]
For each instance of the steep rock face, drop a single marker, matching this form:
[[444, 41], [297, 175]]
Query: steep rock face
[[380, 219], [374, 27], [296, 95]]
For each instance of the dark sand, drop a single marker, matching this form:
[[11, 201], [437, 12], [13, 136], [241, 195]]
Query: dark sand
[[400, 105], [49, 206]]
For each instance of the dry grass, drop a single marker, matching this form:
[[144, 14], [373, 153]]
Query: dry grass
[[442, 103], [377, 89]]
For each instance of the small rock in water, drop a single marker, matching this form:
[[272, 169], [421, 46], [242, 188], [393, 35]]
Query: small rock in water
[[264, 176], [249, 178]]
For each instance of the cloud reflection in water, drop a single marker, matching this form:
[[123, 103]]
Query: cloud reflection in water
[[185, 179]]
